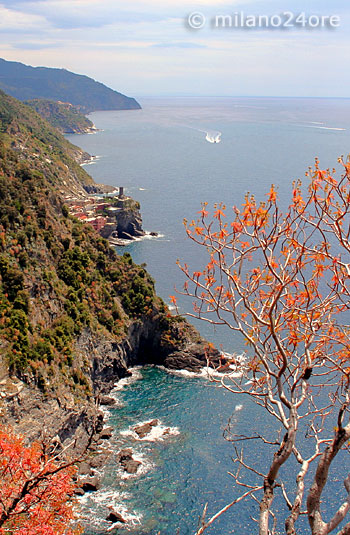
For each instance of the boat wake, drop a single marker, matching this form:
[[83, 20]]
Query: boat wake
[[213, 137], [317, 125]]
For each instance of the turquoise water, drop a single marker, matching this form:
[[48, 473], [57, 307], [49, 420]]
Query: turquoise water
[[160, 155], [184, 470]]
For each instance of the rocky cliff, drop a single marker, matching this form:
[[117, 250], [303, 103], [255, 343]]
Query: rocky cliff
[[74, 316]]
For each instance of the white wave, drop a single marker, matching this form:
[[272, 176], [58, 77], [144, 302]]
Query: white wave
[[109, 499], [142, 189], [240, 359], [92, 161], [238, 408], [158, 432], [145, 466], [207, 372], [149, 237], [106, 412], [107, 409], [136, 375], [213, 137], [316, 122]]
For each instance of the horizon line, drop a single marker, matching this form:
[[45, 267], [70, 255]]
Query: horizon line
[[242, 96]]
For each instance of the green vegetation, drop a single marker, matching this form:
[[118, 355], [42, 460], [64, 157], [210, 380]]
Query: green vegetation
[[63, 116], [58, 278], [27, 83], [42, 153]]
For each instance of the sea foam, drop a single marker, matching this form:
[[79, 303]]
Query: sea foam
[[158, 432], [136, 375], [109, 499]]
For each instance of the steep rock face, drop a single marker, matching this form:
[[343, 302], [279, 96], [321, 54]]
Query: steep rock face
[[128, 218], [65, 417], [57, 419], [129, 223], [124, 220]]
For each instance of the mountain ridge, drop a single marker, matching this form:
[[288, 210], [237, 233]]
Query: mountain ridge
[[25, 82]]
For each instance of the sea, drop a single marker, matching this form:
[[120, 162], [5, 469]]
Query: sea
[[171, 156]]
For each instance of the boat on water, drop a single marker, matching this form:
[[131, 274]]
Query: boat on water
[[213, 137]]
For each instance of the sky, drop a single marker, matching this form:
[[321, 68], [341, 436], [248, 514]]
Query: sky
[[147, 47]]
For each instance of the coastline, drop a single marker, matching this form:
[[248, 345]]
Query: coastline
[[130, 456]]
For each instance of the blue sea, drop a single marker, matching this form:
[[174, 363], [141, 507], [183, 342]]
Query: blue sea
[[163, 157]]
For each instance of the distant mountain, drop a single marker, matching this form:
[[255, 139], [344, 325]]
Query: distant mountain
[[62, 115], [27, 83]]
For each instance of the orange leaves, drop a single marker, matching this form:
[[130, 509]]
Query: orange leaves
[[298, 201], [210, 281], [219, 213], [203, 212], [272, 195], [236, 226], [199, 231], [173, 299], [280, 274], [35, 496], [319, 270]]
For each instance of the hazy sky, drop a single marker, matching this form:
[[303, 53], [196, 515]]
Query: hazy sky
[[145, 47]]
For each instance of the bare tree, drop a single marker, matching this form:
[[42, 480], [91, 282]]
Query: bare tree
[[281, 280]]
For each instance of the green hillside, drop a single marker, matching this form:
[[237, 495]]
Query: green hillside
[[39, 145], [73, 314], [62, 115]]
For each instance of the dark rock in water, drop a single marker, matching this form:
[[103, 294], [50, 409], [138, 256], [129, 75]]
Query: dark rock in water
[[85, 469], [107, 401], [132, 466], [124, 454], [106, 433], [128, 219], [115, 517], [145, 429], [90, 484], [126, 236], [153, 233], [126, 460], [191, 357], [100, 459]]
